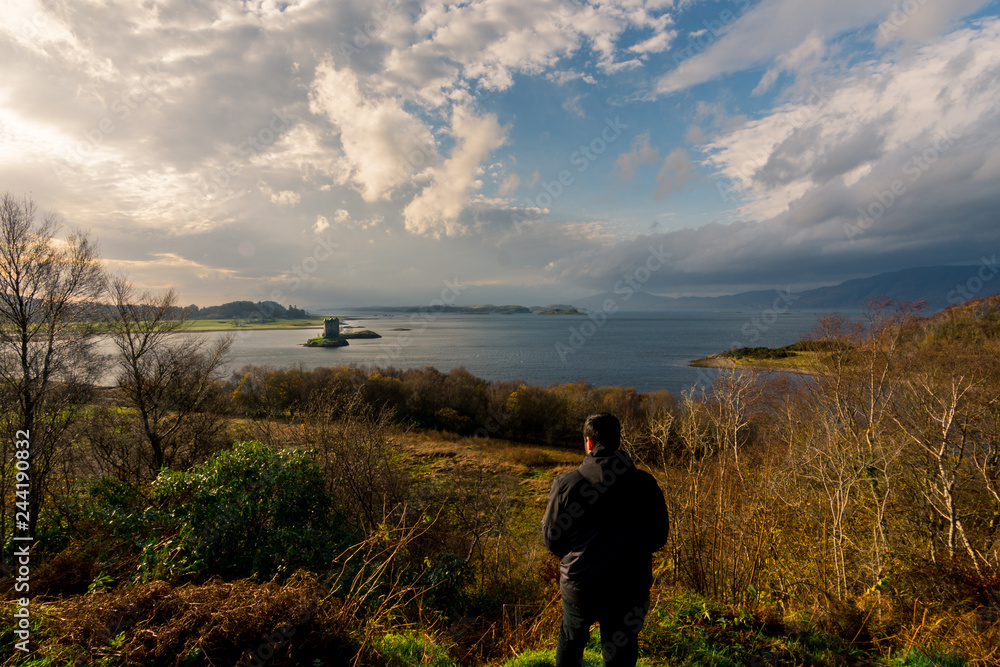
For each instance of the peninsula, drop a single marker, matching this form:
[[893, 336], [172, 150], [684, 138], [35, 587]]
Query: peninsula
[[802, 357]]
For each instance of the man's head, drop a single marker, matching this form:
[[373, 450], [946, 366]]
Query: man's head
[[602, 431]]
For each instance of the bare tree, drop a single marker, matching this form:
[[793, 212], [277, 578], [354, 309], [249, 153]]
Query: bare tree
[[169, 378], [48, 290]]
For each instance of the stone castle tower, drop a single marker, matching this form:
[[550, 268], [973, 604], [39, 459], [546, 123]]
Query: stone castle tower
[[331, 327]]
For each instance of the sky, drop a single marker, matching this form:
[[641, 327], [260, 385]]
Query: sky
[[394, 152]]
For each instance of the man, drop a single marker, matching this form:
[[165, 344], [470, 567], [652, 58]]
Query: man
[[604, 520]]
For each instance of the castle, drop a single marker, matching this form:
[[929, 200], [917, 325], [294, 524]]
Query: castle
[[331, 327]]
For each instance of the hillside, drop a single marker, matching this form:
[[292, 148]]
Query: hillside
[[939, 286]]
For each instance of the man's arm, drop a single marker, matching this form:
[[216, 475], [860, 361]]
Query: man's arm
[[659, 526], [556, 522]]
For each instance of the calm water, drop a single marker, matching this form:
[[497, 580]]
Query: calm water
[[647, 351]]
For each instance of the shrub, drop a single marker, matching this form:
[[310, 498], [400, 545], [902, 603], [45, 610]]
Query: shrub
[[251, 510]]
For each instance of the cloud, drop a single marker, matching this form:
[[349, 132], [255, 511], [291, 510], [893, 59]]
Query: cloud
[[485, 44], [572, 105], [389, 139], [918, 20], [435, 211], [800, 60], [757, 35], [639, 154], [281, 198], [509, 185], [655, 44], [877, 115], [879, 173], [677, 171], [382, 143], [564, 76]]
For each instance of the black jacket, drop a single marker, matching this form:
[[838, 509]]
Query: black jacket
[[605, 519]]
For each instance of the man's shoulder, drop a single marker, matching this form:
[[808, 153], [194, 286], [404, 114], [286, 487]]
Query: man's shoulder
[[567, 479], [645, 479]]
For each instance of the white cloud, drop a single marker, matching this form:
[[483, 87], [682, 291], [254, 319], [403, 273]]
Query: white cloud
[[435, 211], [764, 32], [918, 20], [382, 144], [572, 105], [509, 185], [880, 112], [321, 225], [282, 197], [565, 76], [799, 60], [655, 44], [485, 43]]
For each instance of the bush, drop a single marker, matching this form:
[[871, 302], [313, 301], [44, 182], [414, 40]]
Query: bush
[[251, 510]]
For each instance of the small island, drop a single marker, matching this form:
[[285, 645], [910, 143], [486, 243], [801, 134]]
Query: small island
[[561, 311], [488, 309], [364, 333], [333, 337], [802, 357]]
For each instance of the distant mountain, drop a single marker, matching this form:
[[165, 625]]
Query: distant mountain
[[939, 286]]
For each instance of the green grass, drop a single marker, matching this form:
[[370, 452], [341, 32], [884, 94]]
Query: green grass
[[802, 361], [915, 658], [409, 649], [322, 341], [547, 658], [230, 325]]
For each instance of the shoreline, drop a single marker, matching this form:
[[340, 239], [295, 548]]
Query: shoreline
[[718, 361], [260, 328]]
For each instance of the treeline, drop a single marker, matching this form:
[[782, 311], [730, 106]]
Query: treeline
[[455, 401], [246, 310]]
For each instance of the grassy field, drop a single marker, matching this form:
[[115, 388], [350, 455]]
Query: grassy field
[[231, 325]]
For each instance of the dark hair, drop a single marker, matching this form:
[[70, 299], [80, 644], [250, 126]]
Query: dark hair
[[605, 429]]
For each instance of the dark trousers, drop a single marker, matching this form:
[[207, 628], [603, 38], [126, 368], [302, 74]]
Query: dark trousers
[[620, 621]]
